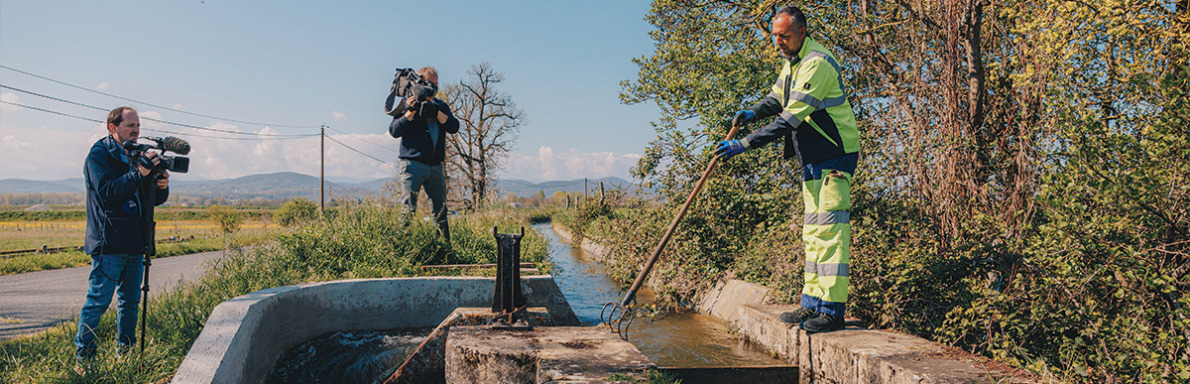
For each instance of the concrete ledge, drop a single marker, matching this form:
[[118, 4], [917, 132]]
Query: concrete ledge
[[858, 355], [244, 336], [540, 355]]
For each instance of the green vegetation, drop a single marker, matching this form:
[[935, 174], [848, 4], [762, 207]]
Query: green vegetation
[[1021, 191], [296, 211], [368, 239], [229, 220]]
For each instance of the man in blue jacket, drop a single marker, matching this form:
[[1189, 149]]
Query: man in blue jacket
[[423, 148], [115, 230]]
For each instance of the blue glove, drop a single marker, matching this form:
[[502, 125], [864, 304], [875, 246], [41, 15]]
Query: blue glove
[[742, 117], [729, 148]]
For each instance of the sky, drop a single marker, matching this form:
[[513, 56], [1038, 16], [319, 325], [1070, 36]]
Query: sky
[[278, 69]]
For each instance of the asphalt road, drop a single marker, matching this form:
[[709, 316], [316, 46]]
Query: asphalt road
[[33, 302]]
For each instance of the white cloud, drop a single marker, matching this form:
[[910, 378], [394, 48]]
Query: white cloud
[[339, 115], [225, 157], [11, 98], [569, 165], [37, 152], [178, 107], [44, 154], [102, 86]]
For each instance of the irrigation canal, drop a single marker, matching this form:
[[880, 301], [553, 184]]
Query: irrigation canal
[[683, 340]]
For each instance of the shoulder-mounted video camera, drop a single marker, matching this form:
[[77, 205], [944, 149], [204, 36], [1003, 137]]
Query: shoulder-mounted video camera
[[177, 164], [408, 83]]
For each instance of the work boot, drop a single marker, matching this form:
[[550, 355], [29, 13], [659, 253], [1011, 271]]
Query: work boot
[[823, 323], [798, 316]]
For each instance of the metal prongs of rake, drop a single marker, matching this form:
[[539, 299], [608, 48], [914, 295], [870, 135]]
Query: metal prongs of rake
[[619, 319]]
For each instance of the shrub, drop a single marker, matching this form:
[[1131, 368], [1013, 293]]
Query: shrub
[[229, 219], [296, 211]]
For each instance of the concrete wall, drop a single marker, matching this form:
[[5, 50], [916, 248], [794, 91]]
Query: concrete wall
[[601, 252], [244, 336]]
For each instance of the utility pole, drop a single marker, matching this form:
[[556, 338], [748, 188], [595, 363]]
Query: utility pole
[[322, 173]]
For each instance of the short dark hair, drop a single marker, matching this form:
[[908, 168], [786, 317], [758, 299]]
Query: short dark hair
[[794, 13], [116, 116]]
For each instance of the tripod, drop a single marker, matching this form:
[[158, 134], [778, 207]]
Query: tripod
[[149, 193]]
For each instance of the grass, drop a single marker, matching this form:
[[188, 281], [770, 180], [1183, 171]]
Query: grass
[[363, 240]]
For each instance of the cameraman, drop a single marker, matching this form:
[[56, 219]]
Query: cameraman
[[423, 147], [115, 231]]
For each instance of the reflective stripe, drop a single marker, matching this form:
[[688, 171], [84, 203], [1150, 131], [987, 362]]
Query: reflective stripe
[[834, 102], [788, 116], [827, 269], [828, 218], [805, 98], [775, 96]]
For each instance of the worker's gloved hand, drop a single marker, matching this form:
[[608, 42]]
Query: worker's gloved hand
[[743, 117], [729, 148]]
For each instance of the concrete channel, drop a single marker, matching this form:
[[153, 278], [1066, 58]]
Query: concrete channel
[[244, 337], [851, 355]]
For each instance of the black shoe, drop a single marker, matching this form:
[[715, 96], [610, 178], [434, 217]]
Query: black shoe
[[823, 323], [798, 316]]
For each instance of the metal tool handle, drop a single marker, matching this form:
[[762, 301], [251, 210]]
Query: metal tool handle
[[640, 279]]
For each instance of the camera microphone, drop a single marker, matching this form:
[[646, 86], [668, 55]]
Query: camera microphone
[[176, 145]]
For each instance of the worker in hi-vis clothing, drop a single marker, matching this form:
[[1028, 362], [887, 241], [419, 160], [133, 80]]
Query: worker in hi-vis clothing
[[818, 125]]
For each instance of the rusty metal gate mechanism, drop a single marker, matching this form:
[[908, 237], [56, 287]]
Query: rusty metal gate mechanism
[[509, 301]]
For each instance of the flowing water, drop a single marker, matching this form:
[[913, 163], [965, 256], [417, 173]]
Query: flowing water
[[684, 340], [347, 357]]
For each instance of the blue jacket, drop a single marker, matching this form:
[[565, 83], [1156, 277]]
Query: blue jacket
[[114, 224], [415, 136]]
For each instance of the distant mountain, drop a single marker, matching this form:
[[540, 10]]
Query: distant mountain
[[527, 188], [286, 185], [41, 186]]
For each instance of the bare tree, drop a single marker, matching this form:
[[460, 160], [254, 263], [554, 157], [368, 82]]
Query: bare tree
[[489, 126]]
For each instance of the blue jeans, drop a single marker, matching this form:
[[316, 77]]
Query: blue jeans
[[120, 273], [416, 175]]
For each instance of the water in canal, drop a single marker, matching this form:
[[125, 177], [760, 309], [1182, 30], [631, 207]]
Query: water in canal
[[683, 340], [347, 357]]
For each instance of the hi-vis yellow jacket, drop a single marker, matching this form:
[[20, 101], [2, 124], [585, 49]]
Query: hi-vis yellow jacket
[[815, 117]]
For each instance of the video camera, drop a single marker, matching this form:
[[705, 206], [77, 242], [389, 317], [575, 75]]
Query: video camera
[[408, 83], [177, 164]]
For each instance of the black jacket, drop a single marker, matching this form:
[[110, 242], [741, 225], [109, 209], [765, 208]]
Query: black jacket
[[415, 136], [114, 224]]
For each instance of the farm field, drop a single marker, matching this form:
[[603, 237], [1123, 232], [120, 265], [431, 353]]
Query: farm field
[[179, 231]]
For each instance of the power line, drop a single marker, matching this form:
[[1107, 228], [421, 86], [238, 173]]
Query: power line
[[163, 121], [53, 112], [363, 141], [154, 129], [359, 152], [151, 104]]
